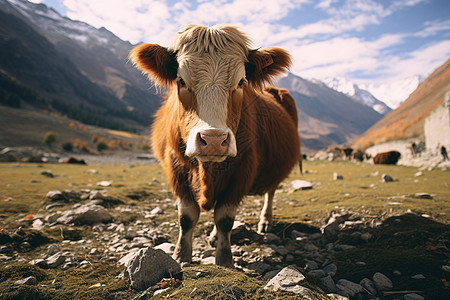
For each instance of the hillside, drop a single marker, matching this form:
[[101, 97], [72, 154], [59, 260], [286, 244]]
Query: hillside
[[408, 119], [326, 117], [74, 63]]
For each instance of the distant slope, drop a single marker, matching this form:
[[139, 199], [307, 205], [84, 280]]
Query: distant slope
[[327, 117], [408, 119], [74, 63]]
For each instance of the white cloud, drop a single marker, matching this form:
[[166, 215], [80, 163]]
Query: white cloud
[[321, 48]]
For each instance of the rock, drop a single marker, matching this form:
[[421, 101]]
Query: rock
[[47, 173], [85, 214], [418, 276], [298, 185], [286, 280], [386, 178], [52, 249], [166, 247], [41, 263], [446, 268], [38, 224], [423, 196], [349, 287], [148, 267], [330, 269], [413, 296], [74, 160], [418, 174], [369, 286], [55, 260], [259, 267], [328, 284], [156, 211], [382, 282], [54, 195], [317, 273], [211, 260], [124, 260], [104, 183], [271, 238], [337, 176], [337, 297], [31, 280]]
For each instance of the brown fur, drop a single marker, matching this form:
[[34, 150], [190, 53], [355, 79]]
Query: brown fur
[[387, 158]]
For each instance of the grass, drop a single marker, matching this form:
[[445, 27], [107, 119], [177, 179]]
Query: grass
[[411, 246]]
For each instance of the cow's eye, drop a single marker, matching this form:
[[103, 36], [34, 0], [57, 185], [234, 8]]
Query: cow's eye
[[182, 83], [241, 82]]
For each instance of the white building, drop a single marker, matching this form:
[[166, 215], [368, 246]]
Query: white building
[[437, 127]]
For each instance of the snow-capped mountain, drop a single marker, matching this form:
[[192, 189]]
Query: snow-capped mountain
[[351, 89], [394, 93]]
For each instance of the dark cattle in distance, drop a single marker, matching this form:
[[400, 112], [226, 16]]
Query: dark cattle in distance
[[387, 158]]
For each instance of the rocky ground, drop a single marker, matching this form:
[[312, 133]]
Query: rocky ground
[[80, 240]]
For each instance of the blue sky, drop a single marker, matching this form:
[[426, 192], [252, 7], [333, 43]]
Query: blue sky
[[363, 40]]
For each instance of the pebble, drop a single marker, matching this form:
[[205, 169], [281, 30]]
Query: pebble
[[328, 284], [386, 178], [297, 185], [369, 286], [418, 276], [337, 176], [413, 296], [382, 282], [41, 263], [55, 260], [446, 268], [330, 269], [423, 196], [349, 287], [31, 280]]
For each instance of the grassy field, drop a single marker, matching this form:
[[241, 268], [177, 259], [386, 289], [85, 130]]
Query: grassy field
[[23, 190]]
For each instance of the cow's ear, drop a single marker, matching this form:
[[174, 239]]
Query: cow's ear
[[265, 63], [158, 62]]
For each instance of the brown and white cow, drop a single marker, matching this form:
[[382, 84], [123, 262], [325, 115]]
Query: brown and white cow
[[220, 135]]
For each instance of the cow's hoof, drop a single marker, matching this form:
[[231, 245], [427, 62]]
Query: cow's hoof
[[263, 227]]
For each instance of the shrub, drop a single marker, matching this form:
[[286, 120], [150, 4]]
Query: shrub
[[49, 138], [67, 145], [101, 145]]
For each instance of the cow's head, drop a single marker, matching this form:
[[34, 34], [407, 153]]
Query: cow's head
[[210, 69]]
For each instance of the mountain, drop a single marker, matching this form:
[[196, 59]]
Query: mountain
[[395, 92], [407, 121], [351, 89], [326, 116], [74, 63]]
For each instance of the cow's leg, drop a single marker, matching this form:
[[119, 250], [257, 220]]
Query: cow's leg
[[224, 219], [265, 219], [188, 213]]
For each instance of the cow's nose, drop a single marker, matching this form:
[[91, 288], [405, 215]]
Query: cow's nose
[[213, 144]]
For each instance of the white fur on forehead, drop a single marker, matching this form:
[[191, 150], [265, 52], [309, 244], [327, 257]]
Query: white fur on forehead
[[198, 39]]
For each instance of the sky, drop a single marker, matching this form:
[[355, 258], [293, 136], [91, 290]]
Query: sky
[[366, 41]]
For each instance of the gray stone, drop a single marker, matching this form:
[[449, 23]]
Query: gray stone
[[298, 185], [271, 238], [386, 178], [418, 276], [382, 282], [311, 265], [148, 267], [286, 280], [413, 296], [349, 287], [328, 284], [337, 176], [166, 247], [337, 297], [317, 273], [259, 267], [31, 280], [423, 196], [55, 260], [85, 214], [330, 269], [369, 286], [446, 268], [38, 224], [52, 249], [41, 263]]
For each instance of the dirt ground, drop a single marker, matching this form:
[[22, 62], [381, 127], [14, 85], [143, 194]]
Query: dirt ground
[[407, 219]]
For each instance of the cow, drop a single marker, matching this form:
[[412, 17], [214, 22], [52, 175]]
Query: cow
[[387, 158], [221, 133]]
